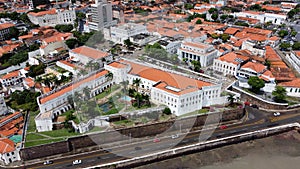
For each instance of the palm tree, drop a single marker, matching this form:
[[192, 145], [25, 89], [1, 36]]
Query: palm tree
[[109, 76], [47, 82], [71, 101], [86, 92], [138, 98], [136, 83], [230, 98], [124, 84]]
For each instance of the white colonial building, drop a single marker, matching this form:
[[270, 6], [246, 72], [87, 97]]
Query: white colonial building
[[123, 32], [292, 87], [54, 44], [11, 79], [180, 93], [201, 52], [85, 54], [4, 30], [67, 66], [254, 47], [8, 152], [230, 63], [56, 102], [52, 17], [263, 17], [294, 59]]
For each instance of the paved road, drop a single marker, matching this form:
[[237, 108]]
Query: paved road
[[256, 120]]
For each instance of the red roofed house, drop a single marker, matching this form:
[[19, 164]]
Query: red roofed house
[[12, 78], [8, 152], [292, 87], [86, 54], [4, 30], [230, 63], [52, 45], [251, 69], [67, 66]]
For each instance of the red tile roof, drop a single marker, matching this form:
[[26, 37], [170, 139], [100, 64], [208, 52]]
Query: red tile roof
[[174, 80], [90, 52], [11, 75], [292, 83], [234, 58], [67, 63], [6, 25], [72, 87], [49, 12], [29, 82], [231, 31], [117, 65], [6, 145], [257, 67]]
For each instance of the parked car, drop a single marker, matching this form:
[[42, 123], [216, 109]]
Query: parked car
[[255, 106], [48, 162], [276, 114], [223, 127], [76, 162], [156, 140], [175, 136]]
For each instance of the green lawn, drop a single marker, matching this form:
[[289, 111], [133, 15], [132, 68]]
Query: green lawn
[[39, 142], [33, 136], [60, 133], [124, 122], [31, 126], [107, 92]]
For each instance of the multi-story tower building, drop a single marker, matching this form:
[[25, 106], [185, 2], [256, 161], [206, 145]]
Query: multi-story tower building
[[100, 15]]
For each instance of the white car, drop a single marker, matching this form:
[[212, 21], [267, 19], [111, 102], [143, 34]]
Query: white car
[[48, 162], [175, 136], [276, 114], [75, 162]]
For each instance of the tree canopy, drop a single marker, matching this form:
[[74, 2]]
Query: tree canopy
[[279, 94], [296, 46], [256, 83], [71, 43], [64, 28], [285, 46], [283, 33]]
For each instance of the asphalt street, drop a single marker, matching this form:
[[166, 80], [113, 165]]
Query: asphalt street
[[256, 120]]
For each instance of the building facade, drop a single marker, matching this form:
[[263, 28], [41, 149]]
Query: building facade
[[8, 151], [4, 30], [201, 52], [53, 17], [85, 54], [120, 33], [230, 63], [180, 93], [263, 17], [56, 102], [100, 15]]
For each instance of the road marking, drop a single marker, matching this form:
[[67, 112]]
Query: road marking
[[282, 117], [167, 139]]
